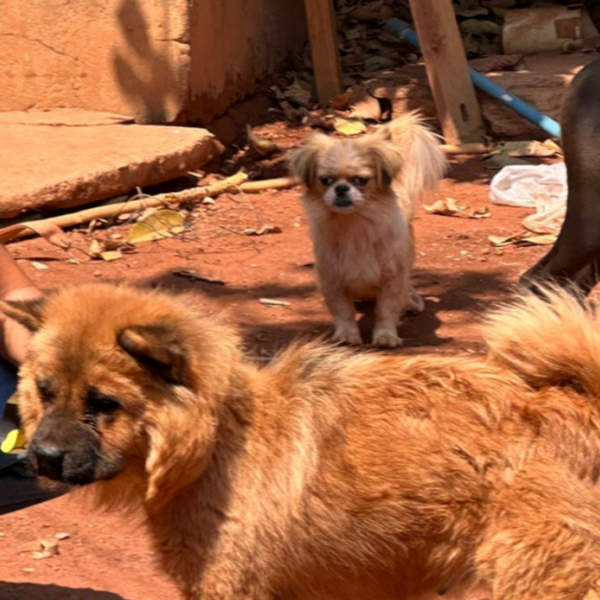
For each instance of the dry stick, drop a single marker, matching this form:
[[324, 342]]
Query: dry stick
[[232, 185]]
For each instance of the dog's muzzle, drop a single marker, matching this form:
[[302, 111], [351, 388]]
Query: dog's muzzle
[[342, 197]]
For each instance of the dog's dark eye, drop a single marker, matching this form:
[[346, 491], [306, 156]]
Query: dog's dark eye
[[45, 390], [326, 180], [360, 181], [98, 403]]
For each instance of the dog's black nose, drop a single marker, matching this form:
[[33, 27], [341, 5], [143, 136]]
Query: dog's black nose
[[341, 189], [48, 460]]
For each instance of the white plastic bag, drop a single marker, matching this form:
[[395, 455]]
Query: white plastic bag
[[530, 185], [543, 187]]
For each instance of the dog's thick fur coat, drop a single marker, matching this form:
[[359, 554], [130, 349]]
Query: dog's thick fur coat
[[327, 474]]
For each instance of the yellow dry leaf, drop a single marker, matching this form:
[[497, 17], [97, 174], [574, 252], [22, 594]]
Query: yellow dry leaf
[[110, 255], [156, 226], [349, 126]]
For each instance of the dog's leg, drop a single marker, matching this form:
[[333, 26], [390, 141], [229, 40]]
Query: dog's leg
[[543, 541], [341, 307], [391, 299]]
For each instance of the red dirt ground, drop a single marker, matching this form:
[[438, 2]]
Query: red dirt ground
[[109, 558]]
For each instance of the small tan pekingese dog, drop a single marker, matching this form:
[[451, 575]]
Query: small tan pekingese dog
[[360, 199]]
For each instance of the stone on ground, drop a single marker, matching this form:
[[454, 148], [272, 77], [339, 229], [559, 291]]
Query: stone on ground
[[57, 159]]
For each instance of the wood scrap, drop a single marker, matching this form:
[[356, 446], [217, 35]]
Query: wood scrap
[[51, 227]]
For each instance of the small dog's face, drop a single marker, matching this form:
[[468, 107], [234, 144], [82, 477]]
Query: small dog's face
[[113, 385], [346, 174]]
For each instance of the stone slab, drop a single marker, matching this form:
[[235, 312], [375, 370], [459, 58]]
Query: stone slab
[[82, 156]]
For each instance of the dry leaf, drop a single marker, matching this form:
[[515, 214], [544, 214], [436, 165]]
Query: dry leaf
[[111, 255], [262, 146], [449, 208], [524, 238], [525, 148], [369, 108], [195, 276], [270, 302], [263, 230], [298, 95], [537, 240], [349, 127], [155, 226]]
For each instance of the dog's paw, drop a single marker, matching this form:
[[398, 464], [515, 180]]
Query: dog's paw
[[347, 334], [415, 304], [385, 338]]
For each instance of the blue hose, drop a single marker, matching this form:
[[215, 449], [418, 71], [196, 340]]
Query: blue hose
[[402, 30]]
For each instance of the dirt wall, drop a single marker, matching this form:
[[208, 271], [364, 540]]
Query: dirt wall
[[160, 61]]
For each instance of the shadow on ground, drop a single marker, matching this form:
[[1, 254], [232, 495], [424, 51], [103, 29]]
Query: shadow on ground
[[33, 591]]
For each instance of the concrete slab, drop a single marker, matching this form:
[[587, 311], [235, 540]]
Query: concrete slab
[[59, 159]]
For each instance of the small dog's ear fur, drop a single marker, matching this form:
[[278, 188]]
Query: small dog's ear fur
[[26, 312], [158, 348], [387, 159], [303, 162]]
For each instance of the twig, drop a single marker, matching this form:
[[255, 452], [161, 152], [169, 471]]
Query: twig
[[232, 185]]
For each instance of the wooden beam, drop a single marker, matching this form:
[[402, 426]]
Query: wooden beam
[[324, 47], [447, 71]]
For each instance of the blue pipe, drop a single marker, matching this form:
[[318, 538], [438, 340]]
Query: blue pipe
[[402, 30]]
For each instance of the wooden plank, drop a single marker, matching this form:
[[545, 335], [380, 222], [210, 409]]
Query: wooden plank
[[324, 47], [447, 71]]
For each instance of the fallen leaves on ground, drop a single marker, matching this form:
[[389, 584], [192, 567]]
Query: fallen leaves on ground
[[521, 239], [156, 225], [262, 146], [349, 127], [450, 208], [265, 229]]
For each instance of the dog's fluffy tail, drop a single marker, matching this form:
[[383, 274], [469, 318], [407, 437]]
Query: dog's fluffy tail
[[552, 339], [424, 162]]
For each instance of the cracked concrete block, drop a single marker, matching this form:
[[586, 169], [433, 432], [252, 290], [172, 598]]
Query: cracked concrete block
[[162, 61], [59, 159]]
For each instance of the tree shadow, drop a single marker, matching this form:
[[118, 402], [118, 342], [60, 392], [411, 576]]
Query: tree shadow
[[153, 88], [34, 591]]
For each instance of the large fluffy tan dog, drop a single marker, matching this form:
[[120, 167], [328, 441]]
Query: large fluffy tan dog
[[360, 198], [326, 475]]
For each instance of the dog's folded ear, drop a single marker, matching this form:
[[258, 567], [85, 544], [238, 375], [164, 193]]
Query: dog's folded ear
[[303, 161], [28, 313], [159, 349]]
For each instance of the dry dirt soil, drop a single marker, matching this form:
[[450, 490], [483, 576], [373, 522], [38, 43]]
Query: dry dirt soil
[[107, 557]]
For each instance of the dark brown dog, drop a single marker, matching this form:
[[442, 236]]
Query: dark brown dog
[[326, 475], [575, 257]]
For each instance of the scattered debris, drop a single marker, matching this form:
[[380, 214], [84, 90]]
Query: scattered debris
[[524, 238], [349, 127], [195, 276], [157, 225], [450, 208], [263, 230], [270, 302], [262, 146]]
